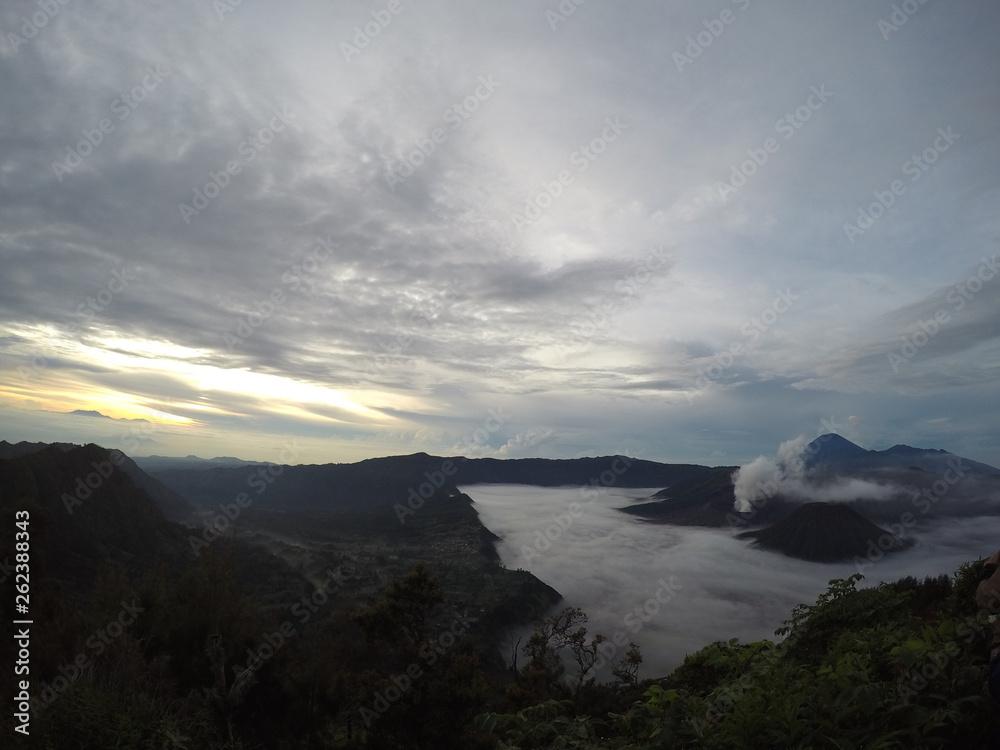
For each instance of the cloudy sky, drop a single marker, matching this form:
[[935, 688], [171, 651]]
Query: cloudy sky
[[684, 231]]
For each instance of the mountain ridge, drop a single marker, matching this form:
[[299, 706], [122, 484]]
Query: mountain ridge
[[923, 484], [420, 474], [89, 510], [836, 453]]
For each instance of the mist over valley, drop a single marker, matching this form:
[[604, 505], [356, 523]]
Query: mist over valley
[[611, 565]]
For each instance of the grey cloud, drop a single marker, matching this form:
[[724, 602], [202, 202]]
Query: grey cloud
[[522, 321]]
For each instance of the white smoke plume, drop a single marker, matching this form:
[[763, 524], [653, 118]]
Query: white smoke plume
[[786, 475]]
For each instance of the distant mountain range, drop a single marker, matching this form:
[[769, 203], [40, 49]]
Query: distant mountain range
[[162, 463], [92, 413], [381, 495], [926, 483], [834, 453], [90, 506], [352, 487], [692, 495], [709, 499]]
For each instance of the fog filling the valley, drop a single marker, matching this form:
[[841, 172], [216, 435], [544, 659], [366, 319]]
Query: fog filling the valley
[[712, 585]]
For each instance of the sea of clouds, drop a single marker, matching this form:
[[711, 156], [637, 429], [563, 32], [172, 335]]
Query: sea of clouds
[[675, 589]]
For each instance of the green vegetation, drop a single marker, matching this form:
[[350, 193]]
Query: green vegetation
[[205, 664], [900, 665], [291, 630], [352, 630]]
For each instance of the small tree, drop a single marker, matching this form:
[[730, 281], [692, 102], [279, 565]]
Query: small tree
[[626, 670], [554, 636]]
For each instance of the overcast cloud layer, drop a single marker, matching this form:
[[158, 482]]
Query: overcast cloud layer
[[648, 228]]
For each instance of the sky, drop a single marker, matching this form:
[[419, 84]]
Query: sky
[[683, 231], [674, 590]]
